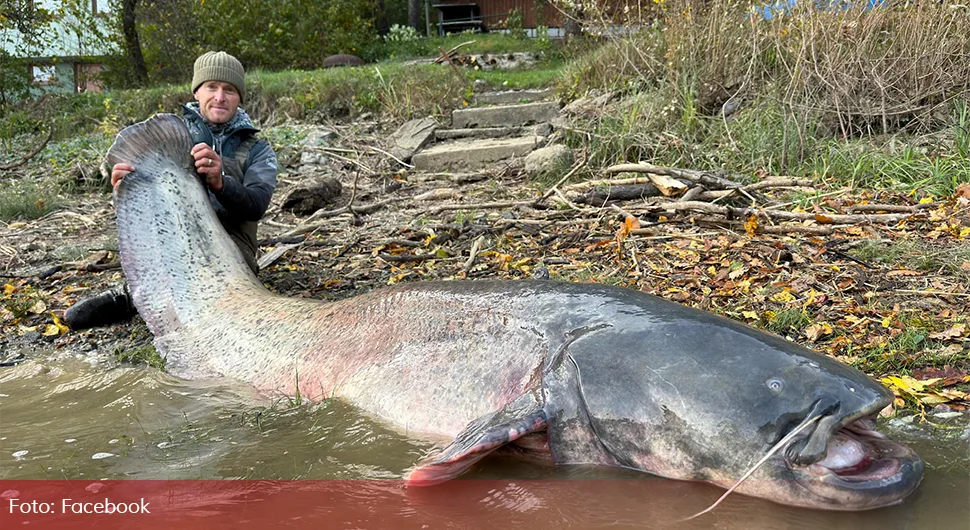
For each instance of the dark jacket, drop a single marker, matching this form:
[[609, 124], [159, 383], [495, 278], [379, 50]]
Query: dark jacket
[[246, 188]]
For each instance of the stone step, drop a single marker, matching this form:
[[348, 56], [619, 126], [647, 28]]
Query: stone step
[[505, 115], [509, 97], [543, 129], [474, 154]]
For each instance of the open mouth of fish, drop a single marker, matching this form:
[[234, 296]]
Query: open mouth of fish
[[849, 462]]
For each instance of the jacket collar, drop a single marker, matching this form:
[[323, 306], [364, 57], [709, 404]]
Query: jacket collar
[[239, 122]]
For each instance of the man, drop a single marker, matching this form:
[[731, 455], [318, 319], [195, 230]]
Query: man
[[239, 170]]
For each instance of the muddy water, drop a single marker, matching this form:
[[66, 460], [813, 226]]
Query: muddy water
[[67, 420]]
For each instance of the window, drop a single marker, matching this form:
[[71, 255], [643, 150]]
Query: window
[[43, 74]]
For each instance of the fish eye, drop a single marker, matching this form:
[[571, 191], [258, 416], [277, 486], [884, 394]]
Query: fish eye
[[775, 385]]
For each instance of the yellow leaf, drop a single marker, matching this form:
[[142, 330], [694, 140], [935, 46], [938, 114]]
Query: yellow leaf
[[886, 322], [784, 296], [51, 330], [926, 200], [750, 315], [712, 271], [965, 232], [751, 225], [61, 328], [8, 289]]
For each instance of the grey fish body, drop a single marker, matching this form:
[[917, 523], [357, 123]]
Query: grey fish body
[[590, 374]]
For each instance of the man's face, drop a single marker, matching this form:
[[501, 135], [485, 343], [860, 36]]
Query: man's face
[[218, 101]]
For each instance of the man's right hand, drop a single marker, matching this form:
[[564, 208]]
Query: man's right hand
[[118, 172]]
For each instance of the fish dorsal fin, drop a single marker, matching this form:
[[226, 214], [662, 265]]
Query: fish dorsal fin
[[523, 416], [177, 257]]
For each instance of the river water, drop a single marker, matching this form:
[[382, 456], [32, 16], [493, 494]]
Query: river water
[[68, 420]]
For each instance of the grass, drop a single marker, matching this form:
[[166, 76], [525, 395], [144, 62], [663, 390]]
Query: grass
[[141, 355], [25, 200], [916, 255]]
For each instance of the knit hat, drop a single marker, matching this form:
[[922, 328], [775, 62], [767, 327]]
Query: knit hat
[[219, 66]]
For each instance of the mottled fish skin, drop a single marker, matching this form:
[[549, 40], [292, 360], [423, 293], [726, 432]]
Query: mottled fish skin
[[616, 376]]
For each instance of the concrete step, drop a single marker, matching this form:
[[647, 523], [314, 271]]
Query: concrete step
[[542, 129], [509, 97], [505, 115], [474, 154]]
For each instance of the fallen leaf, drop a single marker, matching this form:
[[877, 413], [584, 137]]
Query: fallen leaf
[[955, 331], [963, 190], [904, 272], [815, 331], [751, 315], [823, 219], [751, 225]]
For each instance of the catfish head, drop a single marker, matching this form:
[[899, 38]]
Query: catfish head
[[633, 381]]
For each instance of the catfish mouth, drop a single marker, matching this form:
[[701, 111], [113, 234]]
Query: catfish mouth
[[859, 468]]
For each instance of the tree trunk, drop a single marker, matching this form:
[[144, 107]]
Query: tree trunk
[[414, 14], [132, 46], [383, 28]]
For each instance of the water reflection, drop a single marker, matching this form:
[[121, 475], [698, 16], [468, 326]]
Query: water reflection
[[67, 420]]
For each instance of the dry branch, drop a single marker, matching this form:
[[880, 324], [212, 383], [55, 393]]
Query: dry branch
[[26, 158], [743, 213]]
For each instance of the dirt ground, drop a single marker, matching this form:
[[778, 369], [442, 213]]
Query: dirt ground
[[869, 294]]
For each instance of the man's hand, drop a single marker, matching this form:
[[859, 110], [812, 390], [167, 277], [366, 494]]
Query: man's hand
[[209, 165], [118, 172]]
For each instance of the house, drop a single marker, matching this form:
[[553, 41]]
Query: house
[[490, 15], [71, 56]]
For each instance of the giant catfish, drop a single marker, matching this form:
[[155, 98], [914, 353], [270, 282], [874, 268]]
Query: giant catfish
[[573, 373]]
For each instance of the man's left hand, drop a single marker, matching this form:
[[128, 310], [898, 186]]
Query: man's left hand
[[209, 165]]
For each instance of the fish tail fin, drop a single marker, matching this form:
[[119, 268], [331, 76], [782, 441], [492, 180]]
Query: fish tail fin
[[177, 257], [163, 136]]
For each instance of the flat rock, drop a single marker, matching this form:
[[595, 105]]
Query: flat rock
[[411, 137], [476, 154], [505, 115]]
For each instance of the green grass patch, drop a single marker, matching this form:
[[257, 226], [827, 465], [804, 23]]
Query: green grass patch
[[25, 200], [916, 255], [142, 355], [787, 321]]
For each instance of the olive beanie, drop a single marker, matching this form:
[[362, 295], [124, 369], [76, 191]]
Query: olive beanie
[[219, 66]]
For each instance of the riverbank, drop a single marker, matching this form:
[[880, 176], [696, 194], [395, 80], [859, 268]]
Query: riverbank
[[888, 297]]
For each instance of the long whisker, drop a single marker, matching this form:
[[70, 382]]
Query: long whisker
[[781, 443]]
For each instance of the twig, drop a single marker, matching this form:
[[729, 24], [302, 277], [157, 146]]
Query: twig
[[448, 55], [891, 207], [309, 227], [476, 247], [555, 186], [26, 158], [478, 206], [936, 293], [701, 177], [741, 213]]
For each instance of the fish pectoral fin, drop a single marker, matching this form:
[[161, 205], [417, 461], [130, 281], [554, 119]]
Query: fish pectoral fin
[[478, 439]]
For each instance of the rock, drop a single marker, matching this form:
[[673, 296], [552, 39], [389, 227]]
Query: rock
[[310, 197], [588, 104], [319, 137], [552, 159], [411, 137], [313, 158], [542, 129], [342, 59]]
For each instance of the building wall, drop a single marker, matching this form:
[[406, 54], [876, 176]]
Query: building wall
[[494, 12]]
